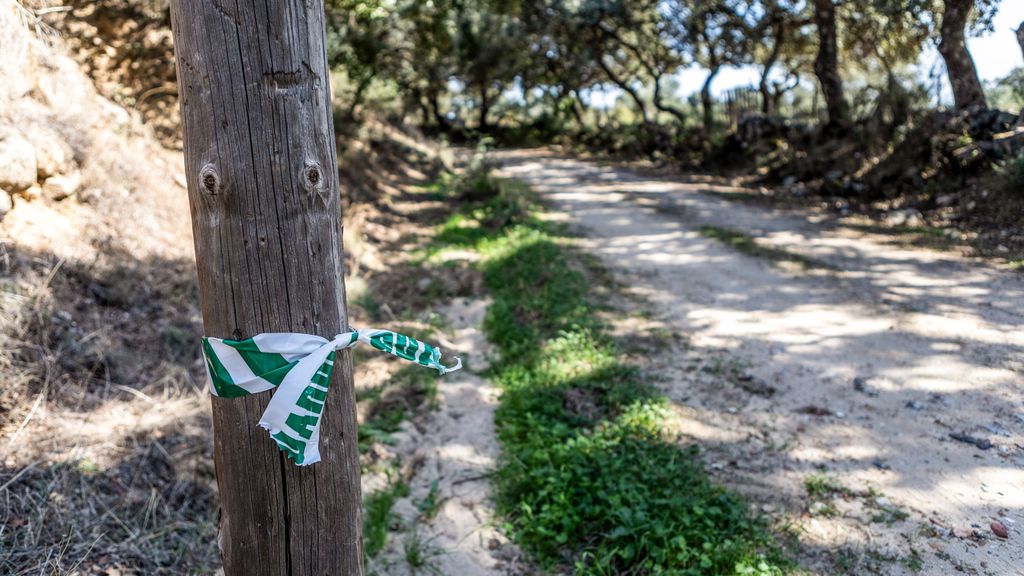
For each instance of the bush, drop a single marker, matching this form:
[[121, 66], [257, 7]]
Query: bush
[[1012, 173]]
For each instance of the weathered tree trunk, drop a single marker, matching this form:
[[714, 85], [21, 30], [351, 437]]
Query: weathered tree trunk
[[641, 107], [654, 72], [826, 64], [484, 110], [357, 99], [434, 99], [263, 187], [767, 101], [963, 76], [705, 99], [659, 103], [1020, 37]]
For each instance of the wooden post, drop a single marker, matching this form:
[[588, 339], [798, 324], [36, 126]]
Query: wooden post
[[263, 187]]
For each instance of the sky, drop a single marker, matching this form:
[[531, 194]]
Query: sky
[[995, 55]]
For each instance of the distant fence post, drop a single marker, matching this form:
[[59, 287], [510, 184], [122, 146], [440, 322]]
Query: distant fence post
[[740, 103], [263, 186]]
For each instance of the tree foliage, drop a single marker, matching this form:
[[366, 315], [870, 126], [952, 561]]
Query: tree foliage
[[487, 64]]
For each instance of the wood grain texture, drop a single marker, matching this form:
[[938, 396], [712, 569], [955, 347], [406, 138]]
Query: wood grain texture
[[263, 188]]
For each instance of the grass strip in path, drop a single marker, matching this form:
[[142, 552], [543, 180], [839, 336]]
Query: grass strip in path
[[590, 478], [746, 244]]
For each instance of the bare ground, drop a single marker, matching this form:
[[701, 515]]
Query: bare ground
[[448, 516], [825, 369]]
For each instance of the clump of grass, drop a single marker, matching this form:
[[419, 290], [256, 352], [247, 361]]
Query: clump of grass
[[380, 427], [590, 479], [378, 517], [409, 390], [746, 244], [822, 486], [431, 503], [419, 553]]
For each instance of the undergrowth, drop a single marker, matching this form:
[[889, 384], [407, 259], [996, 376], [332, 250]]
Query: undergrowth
[[591, 479], [378, 516]]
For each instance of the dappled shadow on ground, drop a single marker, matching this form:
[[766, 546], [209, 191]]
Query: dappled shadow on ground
[[935, 340], [107, 456]]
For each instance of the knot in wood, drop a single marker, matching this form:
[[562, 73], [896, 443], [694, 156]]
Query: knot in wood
[[312, 176], [209, 179]]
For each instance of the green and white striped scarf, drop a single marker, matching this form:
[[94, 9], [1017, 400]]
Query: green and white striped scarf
[[299, 366]]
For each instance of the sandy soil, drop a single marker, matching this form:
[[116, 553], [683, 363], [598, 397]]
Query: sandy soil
[[452, 452], [858, 368]]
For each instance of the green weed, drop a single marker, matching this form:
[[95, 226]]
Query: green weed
[[380, 427], [409, 389], [822, 486], [377, 516], [430, 503], [913, 561], [418, 553]]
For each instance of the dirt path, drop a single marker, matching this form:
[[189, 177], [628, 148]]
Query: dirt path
[[877, 353], [446, 524]]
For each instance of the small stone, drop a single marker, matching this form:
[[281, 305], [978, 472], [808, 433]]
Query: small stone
[[914, 405], [999, 530], [945, 199], [58, 188], [963, 533], [33, 192], [53, 155], [861, 385], [17, 160], [493, 544], [906, 217], [6, 203], [817, 508]]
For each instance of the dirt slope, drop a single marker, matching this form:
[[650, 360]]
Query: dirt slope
[[826, 367]]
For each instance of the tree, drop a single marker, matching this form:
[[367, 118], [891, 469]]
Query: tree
[[778, 38], [826, 65], [638, 32], [1020, 36], [558, 58], [263, 187], [358, 42], [963, 75], [715, 34], [488, 51], [426, 55]]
